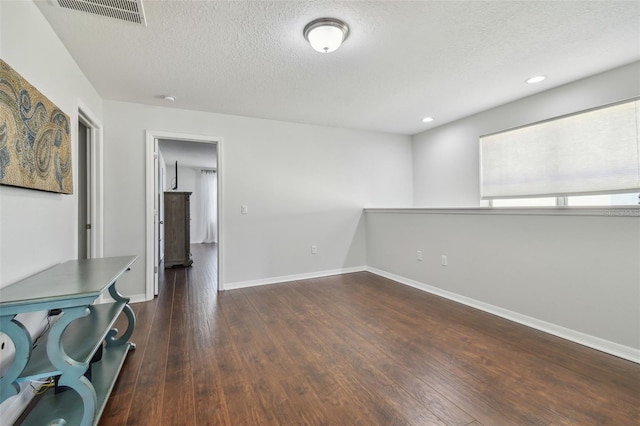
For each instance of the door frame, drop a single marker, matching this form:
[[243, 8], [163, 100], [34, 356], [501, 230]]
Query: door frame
[[83, 189], [96, 189], [151, 216]]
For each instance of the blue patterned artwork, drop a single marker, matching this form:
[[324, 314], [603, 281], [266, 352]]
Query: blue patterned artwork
[[35, 146]]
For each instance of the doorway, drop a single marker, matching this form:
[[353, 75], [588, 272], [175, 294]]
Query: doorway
[[84, 191], [163, 174], [89, 187]]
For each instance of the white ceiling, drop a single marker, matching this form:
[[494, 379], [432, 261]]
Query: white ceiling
[[189, 154], [403, 60]]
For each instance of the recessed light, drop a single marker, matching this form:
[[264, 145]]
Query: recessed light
[[427, 119], [169, 98], [536, 79]]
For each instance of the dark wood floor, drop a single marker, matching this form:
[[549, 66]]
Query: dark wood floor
[[354, 349]]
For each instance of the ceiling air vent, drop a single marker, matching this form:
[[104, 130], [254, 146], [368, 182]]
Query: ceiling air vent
[[125, 10]]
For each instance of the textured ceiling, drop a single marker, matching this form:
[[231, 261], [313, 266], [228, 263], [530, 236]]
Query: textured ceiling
[[403, 60], [189, 154]]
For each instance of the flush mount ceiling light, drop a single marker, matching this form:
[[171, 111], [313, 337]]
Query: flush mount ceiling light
[[427, 119], [536, 79], [169, 98], [326, 34]]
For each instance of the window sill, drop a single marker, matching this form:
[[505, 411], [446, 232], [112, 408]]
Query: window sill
[[607, 211]]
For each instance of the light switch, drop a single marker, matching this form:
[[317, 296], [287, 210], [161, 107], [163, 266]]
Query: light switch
[[244, 209]]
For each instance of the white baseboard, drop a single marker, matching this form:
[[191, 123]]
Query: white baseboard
[[136, 298], [593, 342], [289, 278]]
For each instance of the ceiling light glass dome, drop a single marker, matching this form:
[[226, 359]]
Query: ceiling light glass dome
[[326, 34]]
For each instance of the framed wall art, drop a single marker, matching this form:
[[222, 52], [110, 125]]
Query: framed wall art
[[35, 139]]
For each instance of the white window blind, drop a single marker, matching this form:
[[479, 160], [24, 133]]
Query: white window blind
[[590, 152]]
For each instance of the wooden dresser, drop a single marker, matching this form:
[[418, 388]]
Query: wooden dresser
[[177, 251]]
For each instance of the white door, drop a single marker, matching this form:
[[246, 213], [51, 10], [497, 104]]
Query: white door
[[161, 186], [156, 220]]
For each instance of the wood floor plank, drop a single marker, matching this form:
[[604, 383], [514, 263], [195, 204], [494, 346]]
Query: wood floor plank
[[577, 358], [291, 373], [178, 406], [117, 409], [312, 366], [205, 323], [522, 367], [354, 349], [348, 363], [351, 350], [378, 365], [147, 396], [266, 363], [144, 313], [452, 386], [530, 411], [533, 379]]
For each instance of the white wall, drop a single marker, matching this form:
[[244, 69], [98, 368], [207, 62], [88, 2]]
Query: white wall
[[304, 185], [577, 272], [446, 159], [39, 229], [580, 273]]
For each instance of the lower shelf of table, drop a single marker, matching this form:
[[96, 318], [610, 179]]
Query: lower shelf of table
[[68, 405]]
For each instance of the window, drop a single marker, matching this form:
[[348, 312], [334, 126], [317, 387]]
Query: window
[[628, 199], [595, 151], [525, 202]]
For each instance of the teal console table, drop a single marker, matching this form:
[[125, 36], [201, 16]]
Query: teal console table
[[73, 339]]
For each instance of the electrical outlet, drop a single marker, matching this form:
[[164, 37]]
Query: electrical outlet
[[443, 260], [419, 255], [314, 249]]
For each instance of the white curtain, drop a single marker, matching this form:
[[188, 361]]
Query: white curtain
[[208, 206]]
